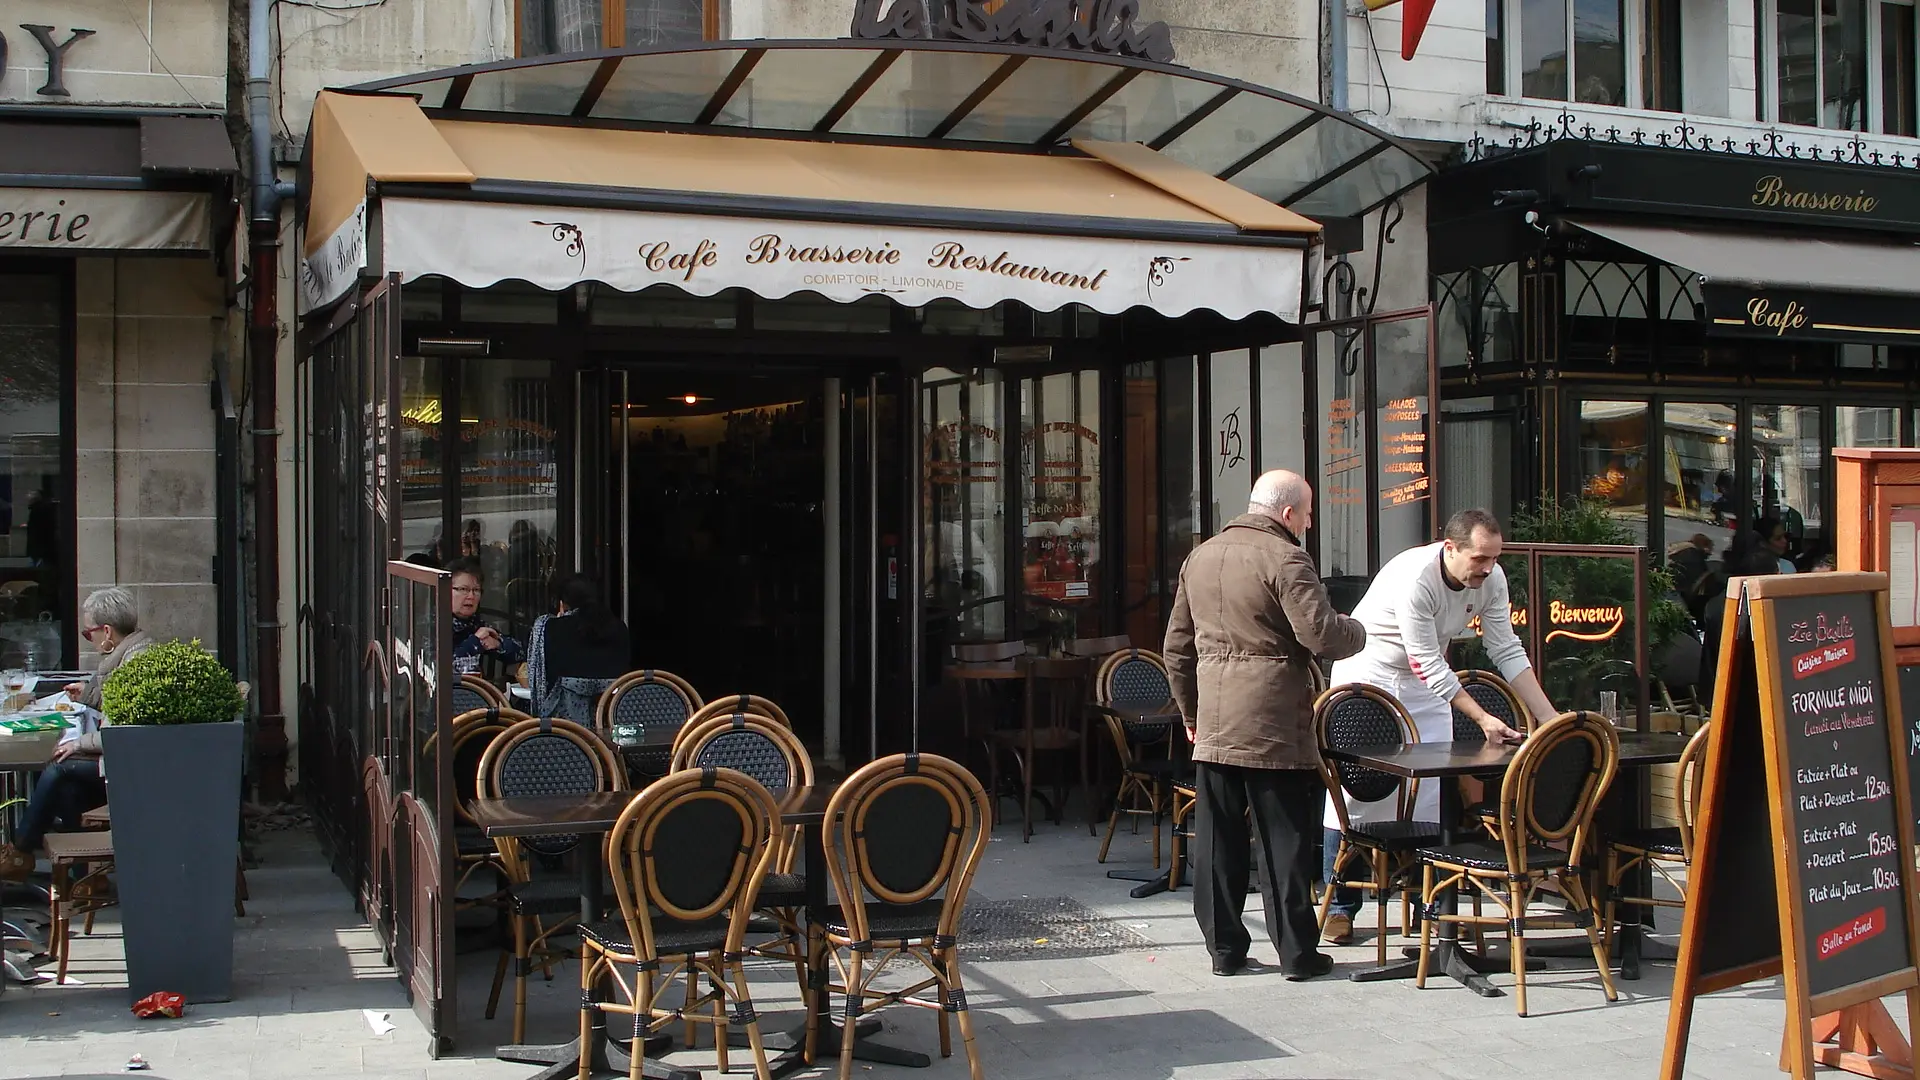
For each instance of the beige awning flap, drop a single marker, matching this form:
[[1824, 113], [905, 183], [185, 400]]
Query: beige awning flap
[[1210, 193], [357, 137]]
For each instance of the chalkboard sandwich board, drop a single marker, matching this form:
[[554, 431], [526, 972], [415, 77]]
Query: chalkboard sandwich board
[[1807, 737]]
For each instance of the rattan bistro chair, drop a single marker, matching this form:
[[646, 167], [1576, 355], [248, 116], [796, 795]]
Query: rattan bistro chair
[[1496, 695], [688, 857], [473, 692], [532, 758], [1661, 849], [777, 761], [903, 837], [1547, 799], [473, 732], [1348, 717], [643, 703], [732, 705], [1135, 679]]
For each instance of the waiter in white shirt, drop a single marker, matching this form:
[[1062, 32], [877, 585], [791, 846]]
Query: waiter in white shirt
[[1418, 603]]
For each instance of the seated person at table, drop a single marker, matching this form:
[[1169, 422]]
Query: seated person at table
[[472, 637], [575, 652], [71, 785], [1420, 601]]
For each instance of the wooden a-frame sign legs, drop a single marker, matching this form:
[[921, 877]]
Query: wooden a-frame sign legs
[[1807, 739]]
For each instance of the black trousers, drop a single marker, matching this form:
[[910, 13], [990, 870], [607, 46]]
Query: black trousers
[[1286, 805]]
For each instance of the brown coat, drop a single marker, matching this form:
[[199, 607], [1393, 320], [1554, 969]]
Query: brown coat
[[1250, 616]]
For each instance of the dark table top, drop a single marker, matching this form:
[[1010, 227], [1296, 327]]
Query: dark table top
[[1423, 760], [569, 815], [1140, 711]]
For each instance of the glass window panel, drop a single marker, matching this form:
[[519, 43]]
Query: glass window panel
[[1034, 99], [509, 486], [1403, 426], [1060, 506], [399, 703], [1283, 408], [1478, 454], [665, 22], [793, 89], [1843, 64], [425, 697], [1660, 67], [1341, 520], [547, 88], [815, 313], [36, 571], [1543, 49], [424, 300], [422, 439], [1866, 425], [1589, 642], [1180, 516], [1897, 70], [1496, 47], [1788, 456], [510, 302], [1697, 460], [1599, 53], [1384, 174], [951, 318], [1679, 294], [665, 307], [669, 88], [1146, 108], [433, 93], [918, 92], [1613, 460], [1231, 419], [1607, 290], [1796, 59], [1305, 158], [1233, 131], [560, 26], [1142, 601], [965, 511]]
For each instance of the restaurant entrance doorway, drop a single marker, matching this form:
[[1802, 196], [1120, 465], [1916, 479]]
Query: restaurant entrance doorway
[[746, 519]]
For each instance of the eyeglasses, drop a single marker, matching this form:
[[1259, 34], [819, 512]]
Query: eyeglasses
[[466, 590], [92, 630]]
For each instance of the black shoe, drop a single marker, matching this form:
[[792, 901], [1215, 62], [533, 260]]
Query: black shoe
[[1229, 965], [1311, 966]]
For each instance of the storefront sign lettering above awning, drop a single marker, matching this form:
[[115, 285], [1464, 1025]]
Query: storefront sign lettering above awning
[[1108, 26], [479, 244], [93, 220]]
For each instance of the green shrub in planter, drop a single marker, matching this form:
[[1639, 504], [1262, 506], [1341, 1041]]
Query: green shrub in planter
[[174, 682]]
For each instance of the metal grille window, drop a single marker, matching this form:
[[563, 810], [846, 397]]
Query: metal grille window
[[567, 26]]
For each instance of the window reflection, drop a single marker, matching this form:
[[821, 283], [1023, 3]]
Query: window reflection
[[965, 513], [1786, 466], [1060, 505], [1232, 439], [421, 493], [1866, 425], [34, 569], [509, 485], [1613, 460], [1340, 371], [1701, 497]]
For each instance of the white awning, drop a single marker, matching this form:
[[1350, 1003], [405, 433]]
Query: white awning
[[479, 244]]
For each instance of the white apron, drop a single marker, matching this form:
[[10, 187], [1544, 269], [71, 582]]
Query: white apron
[[1432, 722]]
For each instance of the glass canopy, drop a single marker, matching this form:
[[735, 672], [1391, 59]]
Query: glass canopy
[[1294, 152]]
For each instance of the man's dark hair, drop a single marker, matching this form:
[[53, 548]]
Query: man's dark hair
[[469, 566], [1461, 525]]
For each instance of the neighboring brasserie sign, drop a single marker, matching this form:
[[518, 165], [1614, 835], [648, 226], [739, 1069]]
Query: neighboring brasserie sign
[[479, 244], [1105, 26], [1734, 186], [1806, 738], [1734, 311], [77, 220]]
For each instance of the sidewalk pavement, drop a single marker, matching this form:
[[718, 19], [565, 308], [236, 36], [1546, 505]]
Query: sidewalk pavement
[[1067, 975]]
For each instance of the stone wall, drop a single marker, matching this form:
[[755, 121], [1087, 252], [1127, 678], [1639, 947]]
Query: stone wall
[[145, 335]]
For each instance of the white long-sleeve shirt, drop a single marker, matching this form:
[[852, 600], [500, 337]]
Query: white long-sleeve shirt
[[1411, 613]]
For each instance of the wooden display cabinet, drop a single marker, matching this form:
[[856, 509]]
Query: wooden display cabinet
[[1877, 502]]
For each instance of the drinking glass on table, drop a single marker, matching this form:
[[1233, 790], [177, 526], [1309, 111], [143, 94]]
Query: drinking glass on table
[[1610, 706], [15, 681]]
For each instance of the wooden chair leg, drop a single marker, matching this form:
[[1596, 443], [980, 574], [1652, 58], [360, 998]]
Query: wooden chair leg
[[856, 997], [1380, 905], [587, 1009], [1517, 943], [745, 1001], [1578, 894], [1426, 925], [1155, 797], [642, 1021], [1113, 820], [959, 994], [521, 966], [817, 961]]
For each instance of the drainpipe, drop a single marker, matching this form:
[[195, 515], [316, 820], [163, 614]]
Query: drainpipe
[[1336, 54], [270, 736]]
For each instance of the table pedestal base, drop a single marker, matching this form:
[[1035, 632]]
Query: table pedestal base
[[563, 1059], [1450, 960], [791, 1047]]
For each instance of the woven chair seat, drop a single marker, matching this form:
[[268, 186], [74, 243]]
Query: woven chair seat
[[79, 846], [1487, 855], [892, 922], [783, 891], [669, 938], [1653, 841], [1395, 835]]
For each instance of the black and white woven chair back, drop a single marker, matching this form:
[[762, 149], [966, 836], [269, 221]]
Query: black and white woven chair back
[[1556, 778], [1496, 701], [689, 845], [548, 763], [1353, 720], [466, 699], [1138, 680], [750, 751], [653, 706]]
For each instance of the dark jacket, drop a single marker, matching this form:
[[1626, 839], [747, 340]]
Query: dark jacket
[[1249, 619], [467, 649]]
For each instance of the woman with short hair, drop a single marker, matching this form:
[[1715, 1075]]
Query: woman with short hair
[[577, 652], [72, 785]]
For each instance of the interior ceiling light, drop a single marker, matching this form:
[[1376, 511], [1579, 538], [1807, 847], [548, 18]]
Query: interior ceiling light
[[692, 399]]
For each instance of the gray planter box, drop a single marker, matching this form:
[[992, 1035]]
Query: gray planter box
[[175, 796]]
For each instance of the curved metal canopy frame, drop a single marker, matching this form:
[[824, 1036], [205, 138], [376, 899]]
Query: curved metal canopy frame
[[1007, 98]]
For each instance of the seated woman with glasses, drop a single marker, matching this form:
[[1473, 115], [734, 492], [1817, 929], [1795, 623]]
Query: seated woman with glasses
[[472, 637], [577, 652], [72, 785]]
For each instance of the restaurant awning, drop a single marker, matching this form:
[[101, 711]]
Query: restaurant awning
[[108, 183], [1787, 286], [919, 170]]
